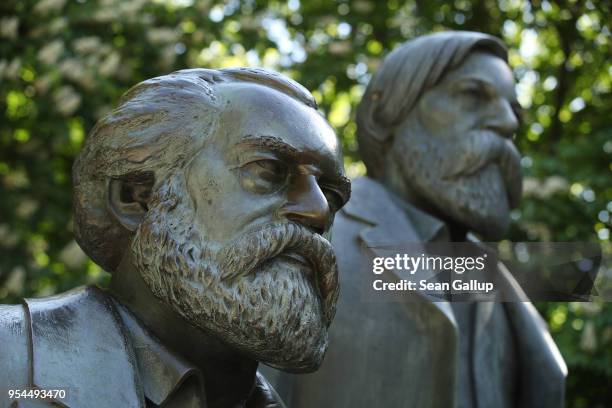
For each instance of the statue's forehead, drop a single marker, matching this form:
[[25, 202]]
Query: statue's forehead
[[252, 110], [484, 66]]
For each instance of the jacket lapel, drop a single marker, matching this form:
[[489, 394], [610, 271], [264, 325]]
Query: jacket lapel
[[388, 227], [542, 369], [78, 344]]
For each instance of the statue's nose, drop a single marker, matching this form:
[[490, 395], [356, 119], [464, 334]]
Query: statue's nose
[[306, 204], [503, 119]]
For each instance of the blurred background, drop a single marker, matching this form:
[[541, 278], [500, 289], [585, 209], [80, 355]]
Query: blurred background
[[65, 63]]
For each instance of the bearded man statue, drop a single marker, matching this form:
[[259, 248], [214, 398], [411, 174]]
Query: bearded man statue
[[209, 196], [435, 130]]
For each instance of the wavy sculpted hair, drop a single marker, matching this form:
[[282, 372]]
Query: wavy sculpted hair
[[404, 75], [159, 125]]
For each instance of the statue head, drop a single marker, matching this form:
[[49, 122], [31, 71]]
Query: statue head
[[436, 124], [221, 185]]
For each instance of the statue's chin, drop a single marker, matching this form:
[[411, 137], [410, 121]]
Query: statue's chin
[[304, 366], [296, 357], [488, 217]]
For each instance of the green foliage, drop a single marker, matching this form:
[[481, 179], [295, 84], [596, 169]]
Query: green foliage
[[65, 63]]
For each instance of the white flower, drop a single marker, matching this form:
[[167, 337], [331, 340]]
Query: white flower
[[43, 83], [12, 70], [167, 57], [530, 186], [3, 64], [339, 47], [86, 45], [162, 35], [590, 308], [58, 25], [72, 68], [553, 185], [8, 238], [92, 62], [47, 6], [110, 65], [17, 179], [75, 70], [66, 100], [588, 340], [533, 187], [72, 255], [130, 9], [104, 15], [15, 282], [26, 208], [50, 53], [9, 27]]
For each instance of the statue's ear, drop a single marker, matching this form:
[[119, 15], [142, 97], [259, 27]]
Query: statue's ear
[[128, 201]]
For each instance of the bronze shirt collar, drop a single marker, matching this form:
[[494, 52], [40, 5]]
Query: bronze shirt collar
[[162, 373]]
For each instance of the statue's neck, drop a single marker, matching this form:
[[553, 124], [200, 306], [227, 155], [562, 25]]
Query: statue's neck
[[228, 375]]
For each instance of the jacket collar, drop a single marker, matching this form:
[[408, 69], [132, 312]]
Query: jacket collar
[[371, 202], [428, 227], [161, 372]]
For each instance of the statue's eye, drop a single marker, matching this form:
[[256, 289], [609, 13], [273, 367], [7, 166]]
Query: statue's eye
[[264, 176], [474, 92]]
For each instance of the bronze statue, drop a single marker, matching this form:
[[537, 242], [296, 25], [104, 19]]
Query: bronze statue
[[435, 130], [209, 196]]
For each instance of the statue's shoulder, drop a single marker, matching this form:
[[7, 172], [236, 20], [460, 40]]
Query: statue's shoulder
[[85, 299], [14, 352], [48, 315], [55, 342]]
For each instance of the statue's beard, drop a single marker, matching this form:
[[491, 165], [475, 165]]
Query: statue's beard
[[241, 292], [474, 181]]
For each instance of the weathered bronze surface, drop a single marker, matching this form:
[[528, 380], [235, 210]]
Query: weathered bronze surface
[[209, 196], [435, 130]]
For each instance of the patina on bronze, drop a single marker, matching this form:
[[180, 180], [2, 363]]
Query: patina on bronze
[[209, 196], [435, 130]]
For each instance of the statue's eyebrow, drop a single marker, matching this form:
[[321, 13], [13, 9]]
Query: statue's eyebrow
[[272, 143], [470, 79]]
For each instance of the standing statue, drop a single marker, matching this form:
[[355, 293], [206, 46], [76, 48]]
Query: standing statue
[[209, 196], [435, 130]]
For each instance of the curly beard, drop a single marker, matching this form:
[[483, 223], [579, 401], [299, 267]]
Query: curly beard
[[474, 180], [241, 292]]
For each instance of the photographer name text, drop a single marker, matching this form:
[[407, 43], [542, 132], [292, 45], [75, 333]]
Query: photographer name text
[[459, 285]]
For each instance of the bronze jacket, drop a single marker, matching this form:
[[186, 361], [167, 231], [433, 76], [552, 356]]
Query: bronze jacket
[[85, 343]]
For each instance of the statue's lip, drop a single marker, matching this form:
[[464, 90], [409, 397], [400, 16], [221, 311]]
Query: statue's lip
[[294, 256]]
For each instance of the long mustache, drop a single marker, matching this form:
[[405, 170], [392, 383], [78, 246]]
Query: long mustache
[[241, 256], [484, 147]]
